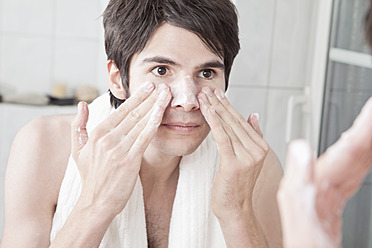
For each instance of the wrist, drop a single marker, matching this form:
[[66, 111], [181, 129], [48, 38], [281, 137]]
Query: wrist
[[93, 209], [241, 229], [236, 215]]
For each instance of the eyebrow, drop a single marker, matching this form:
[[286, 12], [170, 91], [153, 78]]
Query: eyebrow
[[212, 64], [160, 60], [164, 60]]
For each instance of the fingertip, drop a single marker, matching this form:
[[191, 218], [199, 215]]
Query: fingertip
[[300, 158], [256, 118]]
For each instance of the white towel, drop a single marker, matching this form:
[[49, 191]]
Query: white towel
[[193, 224]]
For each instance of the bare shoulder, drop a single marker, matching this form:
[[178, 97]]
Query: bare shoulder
[[44, 144], [264, 199], [36, 166]]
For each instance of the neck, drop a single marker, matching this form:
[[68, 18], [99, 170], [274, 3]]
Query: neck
[[158, 170]]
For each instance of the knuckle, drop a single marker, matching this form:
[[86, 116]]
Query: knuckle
[[123, 109], [130, 138], [103, 144], [265, 146], [95, 136], [134, 116], [112, 156], [250, 160], [225, 140], [260, 155], [140, 125]]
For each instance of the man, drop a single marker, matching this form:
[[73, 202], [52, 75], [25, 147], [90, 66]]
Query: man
[[313, 193], [171, 61]]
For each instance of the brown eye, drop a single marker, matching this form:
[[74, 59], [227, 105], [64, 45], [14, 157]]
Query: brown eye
[[160, 71], [207, 74]]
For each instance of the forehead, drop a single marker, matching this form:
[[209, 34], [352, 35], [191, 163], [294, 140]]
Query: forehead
[[177, 43]]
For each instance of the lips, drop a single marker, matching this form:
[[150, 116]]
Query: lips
[[181, 126]]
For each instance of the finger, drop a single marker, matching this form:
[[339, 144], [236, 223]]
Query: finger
[[248, 142], [219, 134], [236, 145], [138, 113], [299, 169], [142, 93], [137, 140], [253, 121], [218, 93], [79, 134]]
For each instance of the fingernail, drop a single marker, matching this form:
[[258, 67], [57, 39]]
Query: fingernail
[[256, 116], [148, 87], [80, 106], [163, 95], [161, 87], [219, 93], [208, 91]]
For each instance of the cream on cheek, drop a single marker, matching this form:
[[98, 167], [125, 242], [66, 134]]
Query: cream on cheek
[[184, 92]]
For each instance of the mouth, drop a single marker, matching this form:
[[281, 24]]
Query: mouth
[[180, 127]]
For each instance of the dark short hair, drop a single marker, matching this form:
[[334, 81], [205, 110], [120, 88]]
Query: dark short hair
[[129, 24], [368, 26]]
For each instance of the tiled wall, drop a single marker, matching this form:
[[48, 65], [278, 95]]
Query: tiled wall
[[274, 62], [44, 42]]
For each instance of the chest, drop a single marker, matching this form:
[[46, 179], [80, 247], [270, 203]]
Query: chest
[[158, 224]]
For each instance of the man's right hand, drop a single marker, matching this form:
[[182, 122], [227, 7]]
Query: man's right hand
[[109, 160]]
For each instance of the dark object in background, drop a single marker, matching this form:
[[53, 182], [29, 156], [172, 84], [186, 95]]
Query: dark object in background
[[61, 101]]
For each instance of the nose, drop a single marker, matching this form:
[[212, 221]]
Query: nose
[[184, 94]]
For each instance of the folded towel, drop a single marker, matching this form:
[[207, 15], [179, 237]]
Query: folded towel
[[193, 224]]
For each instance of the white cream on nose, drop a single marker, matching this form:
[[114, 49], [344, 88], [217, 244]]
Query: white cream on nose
[[184, 93]]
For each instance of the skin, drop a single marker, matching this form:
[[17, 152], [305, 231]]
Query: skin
[[323, 186], [147, 136]]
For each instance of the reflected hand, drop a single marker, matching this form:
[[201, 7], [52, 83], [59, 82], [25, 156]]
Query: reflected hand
[[109, 160], [342, 168], [296, 198], [333, 179]]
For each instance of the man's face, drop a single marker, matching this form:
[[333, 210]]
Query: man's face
[[178, 58]]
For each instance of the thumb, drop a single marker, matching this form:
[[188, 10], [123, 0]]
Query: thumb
[[79, 134], [253, 121], [299, 169]]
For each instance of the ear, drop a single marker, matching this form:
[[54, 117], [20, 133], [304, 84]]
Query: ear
[[115, 83]]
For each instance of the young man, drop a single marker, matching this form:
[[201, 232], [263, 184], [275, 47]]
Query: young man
[[313, 193], [147, 174]]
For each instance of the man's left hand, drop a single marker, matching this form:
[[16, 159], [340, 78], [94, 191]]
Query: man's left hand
[[242, 151]]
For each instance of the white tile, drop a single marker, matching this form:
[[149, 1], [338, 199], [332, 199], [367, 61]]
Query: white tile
[[1, 58], [21, 16], [291, 43], [75, 63], [252, 64], [1, 14], [276, 121], [102, 76], [26, 63], [248, 101], [78, 18], [2, 214]]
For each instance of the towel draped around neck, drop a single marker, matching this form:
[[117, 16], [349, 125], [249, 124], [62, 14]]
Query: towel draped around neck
[[193, 224]]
